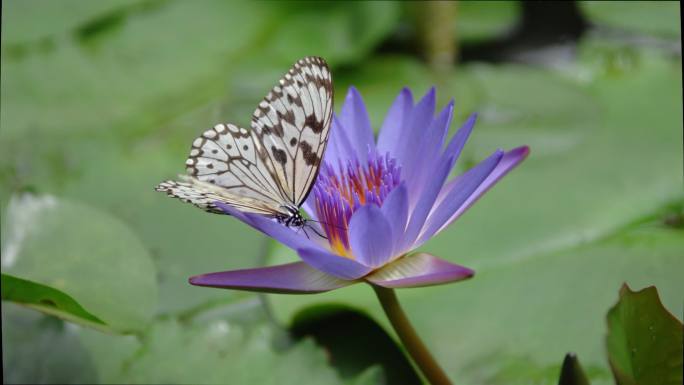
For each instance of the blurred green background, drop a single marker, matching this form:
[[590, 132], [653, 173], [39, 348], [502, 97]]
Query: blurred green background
[[101, 100]]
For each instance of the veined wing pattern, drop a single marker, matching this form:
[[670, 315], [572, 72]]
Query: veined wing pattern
[[271, 168]]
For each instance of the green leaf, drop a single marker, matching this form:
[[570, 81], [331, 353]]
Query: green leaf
[[660, 18], [129, 77], [234, 346], [337, 329], [220, 352], [39, 349], [55, 18], [183, 240], [47, 300], [480, 20], [341, 32], [83, 254], [644, 340], [571, 372], [371, 376]]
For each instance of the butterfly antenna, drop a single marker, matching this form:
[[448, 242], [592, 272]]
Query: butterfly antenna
[[326, 223], [316, 231], [305, 233]]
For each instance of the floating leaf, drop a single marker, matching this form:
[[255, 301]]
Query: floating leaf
[[92, 262], [39, 349], [480, 20], [660, 18], [644, 340], [220, 352]]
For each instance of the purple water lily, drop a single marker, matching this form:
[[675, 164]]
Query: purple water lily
[[376, 202]]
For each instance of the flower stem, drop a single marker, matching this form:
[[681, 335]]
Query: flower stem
[[413, 344]]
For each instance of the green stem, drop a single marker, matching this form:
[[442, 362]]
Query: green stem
[[408, 336]]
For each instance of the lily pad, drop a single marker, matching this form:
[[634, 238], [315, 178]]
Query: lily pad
[[56, 18], [34, 347], [221, 352], [182, 240], [644, 340], [659, 18], [235, 345], [94, 264], [480, 20]]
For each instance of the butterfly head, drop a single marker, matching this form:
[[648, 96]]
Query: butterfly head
[[292, 217]]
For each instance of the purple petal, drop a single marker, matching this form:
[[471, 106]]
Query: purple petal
[[277, 231], [426, 153], [508, 162], [414, 131], [440, 126], [309, 206], [395, 209], [339, 148], [467, 185], [370, 236], [336, 265], [354, 118], [292, 278], [392, 127], [459, 139], [418, 270], [425, 202]]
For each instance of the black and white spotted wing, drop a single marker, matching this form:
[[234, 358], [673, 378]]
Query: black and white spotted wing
[[271, 168], [293, 122]]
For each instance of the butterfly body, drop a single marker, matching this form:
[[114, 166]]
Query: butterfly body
[[270, 169], [293, 218]]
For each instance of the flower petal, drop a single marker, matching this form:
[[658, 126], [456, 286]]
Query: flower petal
[[395, 209], [336, 265], [508, 162], [370, 236], [413, 132], [425, 202], [354, 118], [418, 270], [427, 152], [339, 148], [460, 138], [278, 231], [291, 278], [310, 252], [466, 186], [392, 127]]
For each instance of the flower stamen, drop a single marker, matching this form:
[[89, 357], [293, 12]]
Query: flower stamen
[[338, 194]]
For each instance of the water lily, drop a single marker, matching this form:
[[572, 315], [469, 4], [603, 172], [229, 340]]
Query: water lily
[[375, 202]]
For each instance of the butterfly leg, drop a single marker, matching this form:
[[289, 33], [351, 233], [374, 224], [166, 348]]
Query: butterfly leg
[[316, 231], [305, 233]]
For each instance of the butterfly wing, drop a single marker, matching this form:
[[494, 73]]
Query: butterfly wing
[[229, 157], [276, 163], [292, 125], [204, 196], [226, 165]]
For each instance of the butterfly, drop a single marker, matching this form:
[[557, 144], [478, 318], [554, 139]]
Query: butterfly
[[270, 169]]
